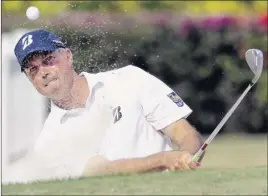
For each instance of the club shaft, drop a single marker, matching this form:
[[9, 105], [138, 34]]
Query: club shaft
[[227, 116], [220, 125]]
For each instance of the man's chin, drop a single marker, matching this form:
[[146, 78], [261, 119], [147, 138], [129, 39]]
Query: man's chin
[[52, 93]]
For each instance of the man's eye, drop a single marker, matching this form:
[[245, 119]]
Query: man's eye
[[49, 60], [33, 69]]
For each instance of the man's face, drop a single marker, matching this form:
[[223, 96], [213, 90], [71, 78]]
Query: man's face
[[51, 73]]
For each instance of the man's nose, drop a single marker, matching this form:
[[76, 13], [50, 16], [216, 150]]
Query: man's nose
[[45, 75], [44, 72]]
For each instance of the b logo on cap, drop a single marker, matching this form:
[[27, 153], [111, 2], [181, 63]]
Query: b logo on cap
[[26, 41]]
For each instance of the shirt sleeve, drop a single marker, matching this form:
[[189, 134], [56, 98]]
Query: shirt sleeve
[[161, 105]]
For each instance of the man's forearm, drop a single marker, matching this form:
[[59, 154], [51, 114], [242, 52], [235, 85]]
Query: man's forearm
[[191, 142], [185, 136], [134, 165]]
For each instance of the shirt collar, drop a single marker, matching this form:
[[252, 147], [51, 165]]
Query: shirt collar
[[92, 80]]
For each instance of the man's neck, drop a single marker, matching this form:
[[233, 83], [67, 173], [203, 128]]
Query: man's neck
[[78, 95]]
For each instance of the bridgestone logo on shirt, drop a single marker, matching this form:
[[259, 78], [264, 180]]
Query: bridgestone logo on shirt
[[117, 114]]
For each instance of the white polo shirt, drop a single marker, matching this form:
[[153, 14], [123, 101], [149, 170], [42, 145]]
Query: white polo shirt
[[125, 112]]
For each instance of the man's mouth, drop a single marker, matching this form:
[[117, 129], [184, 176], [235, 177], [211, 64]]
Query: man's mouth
[[54, 79]]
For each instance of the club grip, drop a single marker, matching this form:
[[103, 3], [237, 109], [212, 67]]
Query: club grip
[[199, 153], [197, 156]]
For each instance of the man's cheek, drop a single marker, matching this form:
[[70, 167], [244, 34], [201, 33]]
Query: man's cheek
[[39, 87]]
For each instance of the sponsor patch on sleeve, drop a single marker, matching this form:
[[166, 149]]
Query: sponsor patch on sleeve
[[176, 99]]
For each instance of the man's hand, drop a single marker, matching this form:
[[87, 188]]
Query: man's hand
[[178, 160]]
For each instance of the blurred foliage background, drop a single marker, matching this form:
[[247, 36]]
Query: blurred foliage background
[[196, 47], [243, 8]]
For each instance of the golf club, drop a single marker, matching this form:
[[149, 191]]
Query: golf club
[[254, 58]]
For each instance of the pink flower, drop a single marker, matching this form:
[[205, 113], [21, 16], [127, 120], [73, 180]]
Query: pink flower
[[215, 23], [263, 20], [263, 23], [186, 25]]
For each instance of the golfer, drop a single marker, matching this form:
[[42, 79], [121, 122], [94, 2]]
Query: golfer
[[119, 121]]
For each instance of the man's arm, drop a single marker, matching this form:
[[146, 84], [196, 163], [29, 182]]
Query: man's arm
[[100, 166], [171, 160], [185, 135]]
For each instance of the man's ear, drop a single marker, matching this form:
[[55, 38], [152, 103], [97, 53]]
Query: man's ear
[[69, 55]]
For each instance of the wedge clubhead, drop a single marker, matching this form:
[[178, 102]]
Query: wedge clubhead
[[254, 58]]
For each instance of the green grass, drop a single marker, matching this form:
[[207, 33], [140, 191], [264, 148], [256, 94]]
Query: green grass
[[233, 165], [220, 181]]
